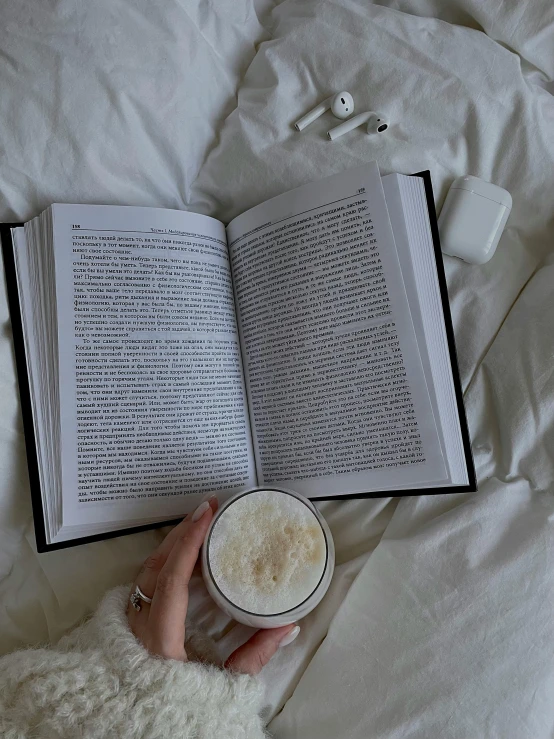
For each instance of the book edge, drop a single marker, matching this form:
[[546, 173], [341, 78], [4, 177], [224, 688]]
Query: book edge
[[14, 307], [106, 535], [449, 328]]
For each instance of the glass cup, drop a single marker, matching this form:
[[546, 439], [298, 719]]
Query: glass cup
[[274, 620]]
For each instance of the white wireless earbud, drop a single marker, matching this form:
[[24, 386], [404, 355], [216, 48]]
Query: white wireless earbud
[[341, 105], [376, 123]]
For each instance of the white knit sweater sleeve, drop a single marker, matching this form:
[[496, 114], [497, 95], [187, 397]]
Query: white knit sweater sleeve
[[100, 682]]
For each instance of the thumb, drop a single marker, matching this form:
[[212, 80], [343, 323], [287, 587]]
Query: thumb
[[260, 648]]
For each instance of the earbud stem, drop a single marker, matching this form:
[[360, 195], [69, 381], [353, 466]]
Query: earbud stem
[[349, 125], [310, 117]]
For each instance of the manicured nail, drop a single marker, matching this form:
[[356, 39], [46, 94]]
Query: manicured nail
[[290, 637], [200, 511], [213, 499], [209, 497]]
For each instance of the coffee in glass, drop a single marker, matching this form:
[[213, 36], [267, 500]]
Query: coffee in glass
[[268, 557]]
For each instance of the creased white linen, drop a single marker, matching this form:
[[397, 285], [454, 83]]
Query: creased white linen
[[524, 27], [446, 630], [115, 101]]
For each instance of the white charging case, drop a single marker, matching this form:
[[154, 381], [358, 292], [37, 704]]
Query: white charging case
[[472, 219]]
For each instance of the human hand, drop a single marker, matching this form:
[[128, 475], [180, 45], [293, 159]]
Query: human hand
[[165, 576]]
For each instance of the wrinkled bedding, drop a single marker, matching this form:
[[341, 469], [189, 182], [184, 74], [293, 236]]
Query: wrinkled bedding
[[439, 619]]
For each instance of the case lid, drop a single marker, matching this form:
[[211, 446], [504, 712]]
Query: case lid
[[485, 189]]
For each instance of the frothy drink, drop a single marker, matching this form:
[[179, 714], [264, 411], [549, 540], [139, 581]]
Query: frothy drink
[[267, 552]]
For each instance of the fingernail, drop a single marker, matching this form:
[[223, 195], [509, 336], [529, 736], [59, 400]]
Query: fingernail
[[208, 497], [290, 637], [199, 512], [211, 498]]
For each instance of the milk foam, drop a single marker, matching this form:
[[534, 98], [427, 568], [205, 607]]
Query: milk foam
[[267, 552]]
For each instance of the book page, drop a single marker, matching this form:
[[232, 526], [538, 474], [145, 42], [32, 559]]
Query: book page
[[153, 410], [338, 398]]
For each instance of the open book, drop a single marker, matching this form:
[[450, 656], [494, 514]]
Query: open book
[[162, 355]]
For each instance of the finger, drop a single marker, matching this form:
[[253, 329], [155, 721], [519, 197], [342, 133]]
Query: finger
[[148, 575], [151, 568], [170, 601], [260, 648]]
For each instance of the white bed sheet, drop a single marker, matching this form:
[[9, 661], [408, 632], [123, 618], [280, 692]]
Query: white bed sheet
[[448, 629]]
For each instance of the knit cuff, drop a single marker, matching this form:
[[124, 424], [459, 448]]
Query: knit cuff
[[201, 693]]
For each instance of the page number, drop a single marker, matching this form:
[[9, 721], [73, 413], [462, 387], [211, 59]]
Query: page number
[[75, 225], [361, 190]]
